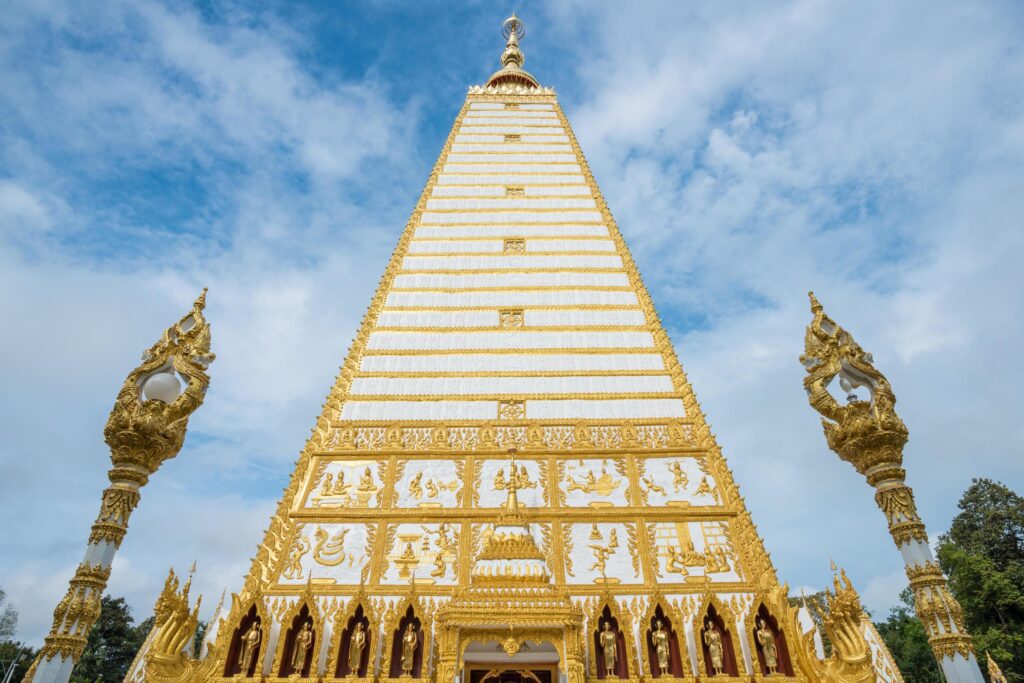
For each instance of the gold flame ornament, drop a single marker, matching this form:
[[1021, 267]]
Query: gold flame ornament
[[147, 423], [862, 433]]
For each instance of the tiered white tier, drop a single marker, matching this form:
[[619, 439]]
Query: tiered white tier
[[584, 348]]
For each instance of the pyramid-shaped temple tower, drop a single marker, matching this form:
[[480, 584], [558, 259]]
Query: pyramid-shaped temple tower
[[511, 478]]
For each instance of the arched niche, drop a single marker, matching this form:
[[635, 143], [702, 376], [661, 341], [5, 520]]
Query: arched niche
[[344, 664], [713, 619], [395, 665], [621, 664], [298, 624], [675, 657], [785, 665], [233, 663]]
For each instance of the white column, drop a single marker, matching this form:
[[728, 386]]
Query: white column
[[936, 607]]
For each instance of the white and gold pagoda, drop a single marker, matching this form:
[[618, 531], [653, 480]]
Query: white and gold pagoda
[[511, 478]]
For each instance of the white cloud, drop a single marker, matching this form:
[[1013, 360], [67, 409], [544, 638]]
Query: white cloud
[[21, 211]]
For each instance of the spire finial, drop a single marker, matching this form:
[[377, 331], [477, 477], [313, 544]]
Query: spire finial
[[815, 304], [513, 30], [512, 503], [201, 300], [512, 59]]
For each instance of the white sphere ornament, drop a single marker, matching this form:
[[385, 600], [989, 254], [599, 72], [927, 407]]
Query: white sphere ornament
[[163, 386]]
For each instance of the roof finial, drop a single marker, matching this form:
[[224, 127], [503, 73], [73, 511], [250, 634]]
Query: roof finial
[[513, 29], [512, 503], [511, 72]]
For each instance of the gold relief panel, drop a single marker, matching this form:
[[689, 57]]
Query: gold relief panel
[[430, 483], [676, 481], [541, 533], [347, 484], [425, 553], [596, 483], [328, 554], [601, 553], [697, 552], [492, 479]]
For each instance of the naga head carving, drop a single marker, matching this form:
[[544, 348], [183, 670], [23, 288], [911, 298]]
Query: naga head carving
[[174, 628], [148, 421], [865, 433], [842, 620]]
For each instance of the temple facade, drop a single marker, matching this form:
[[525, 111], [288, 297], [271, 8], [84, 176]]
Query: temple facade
[[512, 479]]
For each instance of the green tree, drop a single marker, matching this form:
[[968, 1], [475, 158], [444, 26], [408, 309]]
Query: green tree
[[983, 556], [197, 640], [904, 635], [11, 651], [112, 645], [8, 618]]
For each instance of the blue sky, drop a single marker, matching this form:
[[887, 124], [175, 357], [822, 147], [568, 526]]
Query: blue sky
[[871, 151]]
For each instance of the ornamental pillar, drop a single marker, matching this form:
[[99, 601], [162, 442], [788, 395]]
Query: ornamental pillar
[[146, 427], [870, 436]]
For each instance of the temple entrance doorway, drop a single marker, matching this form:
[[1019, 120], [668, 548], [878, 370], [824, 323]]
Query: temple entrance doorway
[[487, 662], [527, 675]]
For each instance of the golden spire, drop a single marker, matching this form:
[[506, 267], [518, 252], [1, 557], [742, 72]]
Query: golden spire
[[512, 501], [512, 59], [513, 30], [995, 675]]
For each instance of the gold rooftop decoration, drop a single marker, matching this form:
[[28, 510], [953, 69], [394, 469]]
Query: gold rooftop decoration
[[174, 629], [995, 674], [843, 620], [511, 78], [870, 436], [146, 427], [511, 478]]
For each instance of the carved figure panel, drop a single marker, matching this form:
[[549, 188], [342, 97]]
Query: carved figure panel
[[492, 483], [347, 484], [598, 483], [430, 484], [427, 553], [407, 647], [602, 553], [299, 645], [328, 553], [678, 481], [610, 649], [770, 647], [246, 647], [717, 648], [355, 646], [663, 656], [693, 552]]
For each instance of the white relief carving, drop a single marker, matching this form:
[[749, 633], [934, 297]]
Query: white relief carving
[[604, 552], [329, 553], [346, 484], [530, 489], [677, 481], [595, 483], [694, 552], [426, 553], [428, 484]]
